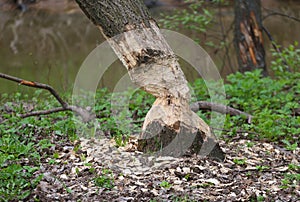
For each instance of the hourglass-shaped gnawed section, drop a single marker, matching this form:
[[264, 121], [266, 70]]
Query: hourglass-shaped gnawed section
[[170, 127]]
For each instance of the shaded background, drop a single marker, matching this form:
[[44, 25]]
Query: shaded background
[[49, 41]]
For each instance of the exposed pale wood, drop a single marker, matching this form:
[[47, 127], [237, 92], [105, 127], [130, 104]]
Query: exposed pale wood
[[153, 66]]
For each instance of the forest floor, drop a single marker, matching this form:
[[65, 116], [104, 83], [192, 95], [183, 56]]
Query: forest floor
[[99, 171], [96, 169]]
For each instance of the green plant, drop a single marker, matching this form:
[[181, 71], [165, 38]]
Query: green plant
[[248, 174], [105, 180], [270, 101], [260, 198], [187, 176], [294, 167], [286, 62], [205, 185], [16, 182], [250, 144], [45, 143], [76, 148], [52, 162], [290, 146], [195, 17], [56, 155], [262, 168], [165, 184], [290, 180], [240, 161]]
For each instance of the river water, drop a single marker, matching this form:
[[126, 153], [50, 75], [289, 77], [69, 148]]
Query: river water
[[49, 47]]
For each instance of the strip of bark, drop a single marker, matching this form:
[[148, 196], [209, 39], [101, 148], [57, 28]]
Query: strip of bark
[[86, 116]]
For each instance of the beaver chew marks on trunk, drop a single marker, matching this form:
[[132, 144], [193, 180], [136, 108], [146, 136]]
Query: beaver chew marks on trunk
[[170, 127]]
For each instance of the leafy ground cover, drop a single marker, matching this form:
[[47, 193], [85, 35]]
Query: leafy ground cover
[[46, 158]]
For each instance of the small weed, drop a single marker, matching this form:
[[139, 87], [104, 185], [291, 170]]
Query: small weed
[[165, 184], [250, 144], [239, 161], [289, 146], [88, 164], [77, 148], [56, 155], [82, 157], [45, 143], [67, 188], [77, 171], [260, 198], [290, 180], [92, 170], [187, 176], [52, 161], [205, 185], [294, 167], [106, 180], [262, 168]]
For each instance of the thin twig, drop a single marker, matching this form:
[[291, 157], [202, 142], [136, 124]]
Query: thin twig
[[276, 48], [280, 14], [86, 116]]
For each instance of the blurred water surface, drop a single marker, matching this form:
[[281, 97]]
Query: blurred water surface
[[49, 46]]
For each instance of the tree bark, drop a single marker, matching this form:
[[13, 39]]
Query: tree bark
[[248, 36], [170, 127]]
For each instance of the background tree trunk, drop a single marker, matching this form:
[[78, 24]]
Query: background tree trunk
[[248, 36], [170, 126]]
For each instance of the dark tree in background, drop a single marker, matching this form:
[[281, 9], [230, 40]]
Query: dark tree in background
[[170, 125], [248, 36]]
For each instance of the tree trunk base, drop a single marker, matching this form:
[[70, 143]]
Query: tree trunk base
[[182, 142], [170, 127]]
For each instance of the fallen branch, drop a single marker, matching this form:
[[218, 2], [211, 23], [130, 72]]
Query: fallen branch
[[86, 116], [203, 105]]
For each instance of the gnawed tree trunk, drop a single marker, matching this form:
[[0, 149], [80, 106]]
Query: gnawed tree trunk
[[248, 36], [170, 126]]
